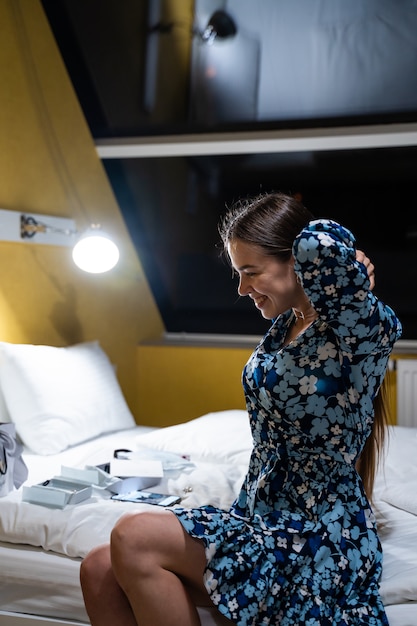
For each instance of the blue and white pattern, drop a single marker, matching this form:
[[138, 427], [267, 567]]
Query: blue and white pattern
[[299, 545]]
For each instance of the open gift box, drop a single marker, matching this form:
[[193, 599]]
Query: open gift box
[[59, 491]]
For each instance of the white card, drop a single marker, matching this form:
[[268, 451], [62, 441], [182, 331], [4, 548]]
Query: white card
[[136, 467]]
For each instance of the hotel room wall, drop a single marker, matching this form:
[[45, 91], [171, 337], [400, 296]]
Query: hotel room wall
[[179, 382], [49, 165]]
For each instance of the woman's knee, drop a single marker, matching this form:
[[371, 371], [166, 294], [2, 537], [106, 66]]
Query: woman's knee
[[132, 537], [143, 541], [128, 533], [95, 566]]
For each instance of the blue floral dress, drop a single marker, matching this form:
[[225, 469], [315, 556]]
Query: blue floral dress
[[299, 545]]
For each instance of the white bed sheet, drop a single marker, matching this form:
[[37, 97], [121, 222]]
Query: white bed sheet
[[40, 583], [44, 582], [402, 614]]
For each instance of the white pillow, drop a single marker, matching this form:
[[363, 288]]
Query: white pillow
[[219, 437], [59, 397]]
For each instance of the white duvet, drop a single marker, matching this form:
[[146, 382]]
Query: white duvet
[[74, 530], [214, 475]]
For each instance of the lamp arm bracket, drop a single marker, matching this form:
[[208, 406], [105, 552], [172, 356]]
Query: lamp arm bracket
[[29, 226]]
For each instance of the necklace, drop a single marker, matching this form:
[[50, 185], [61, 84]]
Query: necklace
[[303, 317]]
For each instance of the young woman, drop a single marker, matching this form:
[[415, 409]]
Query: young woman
[[299, 546]]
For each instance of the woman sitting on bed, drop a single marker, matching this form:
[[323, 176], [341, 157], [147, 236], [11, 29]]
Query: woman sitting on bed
[[299, 545]]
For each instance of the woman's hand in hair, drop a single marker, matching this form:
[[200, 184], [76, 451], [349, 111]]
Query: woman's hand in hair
[[370, 268]]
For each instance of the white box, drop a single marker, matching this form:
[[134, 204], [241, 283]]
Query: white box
[[125, 484], [57, 492]]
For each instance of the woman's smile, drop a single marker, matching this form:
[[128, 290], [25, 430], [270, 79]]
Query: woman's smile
[[259, 301], [270, 283]]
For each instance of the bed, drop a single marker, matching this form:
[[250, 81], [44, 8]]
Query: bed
[[80, 424]]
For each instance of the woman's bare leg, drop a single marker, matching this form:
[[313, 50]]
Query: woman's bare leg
[[160, 568], [103, 597], [151, 575]]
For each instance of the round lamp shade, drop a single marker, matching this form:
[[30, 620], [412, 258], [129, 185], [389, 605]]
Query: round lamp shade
[[95, 252]]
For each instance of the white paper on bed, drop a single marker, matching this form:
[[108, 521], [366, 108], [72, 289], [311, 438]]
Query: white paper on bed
[[136, 467]]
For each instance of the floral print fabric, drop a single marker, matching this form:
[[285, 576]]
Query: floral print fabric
[[299, 546]]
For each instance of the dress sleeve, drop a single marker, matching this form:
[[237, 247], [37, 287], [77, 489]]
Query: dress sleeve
[[339, 288]]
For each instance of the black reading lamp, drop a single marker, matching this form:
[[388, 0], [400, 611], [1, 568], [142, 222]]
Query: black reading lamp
[[220, 25]]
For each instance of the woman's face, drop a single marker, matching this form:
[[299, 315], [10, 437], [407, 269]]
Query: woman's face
[[270, 283]]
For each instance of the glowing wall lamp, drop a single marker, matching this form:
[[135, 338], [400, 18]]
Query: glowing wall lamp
[[93, 250]]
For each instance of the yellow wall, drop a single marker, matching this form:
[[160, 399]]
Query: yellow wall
[[177, 382], [49, 166]]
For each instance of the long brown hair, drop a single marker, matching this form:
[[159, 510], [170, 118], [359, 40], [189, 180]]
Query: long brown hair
[[372, 452]]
